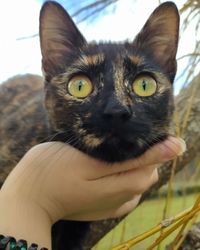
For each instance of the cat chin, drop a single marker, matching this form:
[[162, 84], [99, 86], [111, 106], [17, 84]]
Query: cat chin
[[117, 151], [112, 156]]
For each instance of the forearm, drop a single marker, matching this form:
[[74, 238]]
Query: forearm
[[23, 219]]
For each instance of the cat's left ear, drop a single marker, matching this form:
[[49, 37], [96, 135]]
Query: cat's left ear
[[159, 37], [60, 39]]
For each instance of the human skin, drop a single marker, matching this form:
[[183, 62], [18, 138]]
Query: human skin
[[55, 181]]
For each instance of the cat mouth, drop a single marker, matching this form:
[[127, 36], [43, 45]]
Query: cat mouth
[[118, 142], [115, 149], [116, 139]]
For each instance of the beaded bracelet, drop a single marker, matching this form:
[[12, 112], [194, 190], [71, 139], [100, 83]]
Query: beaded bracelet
[[16, 245]]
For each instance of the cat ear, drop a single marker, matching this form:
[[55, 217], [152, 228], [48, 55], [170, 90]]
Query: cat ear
[[159, 37], [59, 37]]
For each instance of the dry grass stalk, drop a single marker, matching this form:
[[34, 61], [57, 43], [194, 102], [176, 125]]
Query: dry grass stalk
[[173, 223], [180, 236]]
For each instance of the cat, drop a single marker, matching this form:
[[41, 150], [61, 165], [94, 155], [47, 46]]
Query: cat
[[112, 101]]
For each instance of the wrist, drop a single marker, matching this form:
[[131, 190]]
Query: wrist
[[24, 219]]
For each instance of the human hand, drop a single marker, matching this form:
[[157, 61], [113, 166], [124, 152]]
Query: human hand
[[69, 184]]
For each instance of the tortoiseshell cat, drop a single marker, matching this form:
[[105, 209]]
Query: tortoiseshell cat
[[110, 100]]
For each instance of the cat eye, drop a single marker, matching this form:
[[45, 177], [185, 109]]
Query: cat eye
[[144, 85], [80, 86]]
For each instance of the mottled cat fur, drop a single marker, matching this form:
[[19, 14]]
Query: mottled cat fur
[[112, 123]]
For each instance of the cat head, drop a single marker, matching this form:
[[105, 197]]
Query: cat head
[[110, 100]]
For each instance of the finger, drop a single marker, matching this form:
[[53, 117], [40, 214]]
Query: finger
[[93, 215], [107, 213], [122, 187], [126, 207], [113, 212], [133, 182]]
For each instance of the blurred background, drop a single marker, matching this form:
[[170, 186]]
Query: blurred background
[[114, 20]]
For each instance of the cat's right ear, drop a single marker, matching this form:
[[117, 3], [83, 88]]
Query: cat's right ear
[[59, 38]]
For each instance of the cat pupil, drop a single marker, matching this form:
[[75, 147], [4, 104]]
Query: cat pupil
[[80, 85], [144, 85]]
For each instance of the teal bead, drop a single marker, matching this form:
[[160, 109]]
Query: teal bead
[[4, 240], [12, 245]]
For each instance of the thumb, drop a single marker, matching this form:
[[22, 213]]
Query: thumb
[[164, 151]]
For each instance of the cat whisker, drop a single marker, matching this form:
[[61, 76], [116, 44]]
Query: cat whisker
[[75, 142], [51, 137], [71, 140], [152, 139]]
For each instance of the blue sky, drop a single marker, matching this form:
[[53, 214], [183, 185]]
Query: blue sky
[[19, 19]]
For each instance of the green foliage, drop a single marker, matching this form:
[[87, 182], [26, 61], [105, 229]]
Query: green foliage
[[142, 219]]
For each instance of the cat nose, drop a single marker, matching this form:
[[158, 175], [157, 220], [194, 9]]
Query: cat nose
[[114, 111]]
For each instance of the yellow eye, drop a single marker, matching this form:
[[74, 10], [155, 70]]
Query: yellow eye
[[144, 86], [80, 86]]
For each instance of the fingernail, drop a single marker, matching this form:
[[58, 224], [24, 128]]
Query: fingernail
[[174, 147], [183, 146]]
